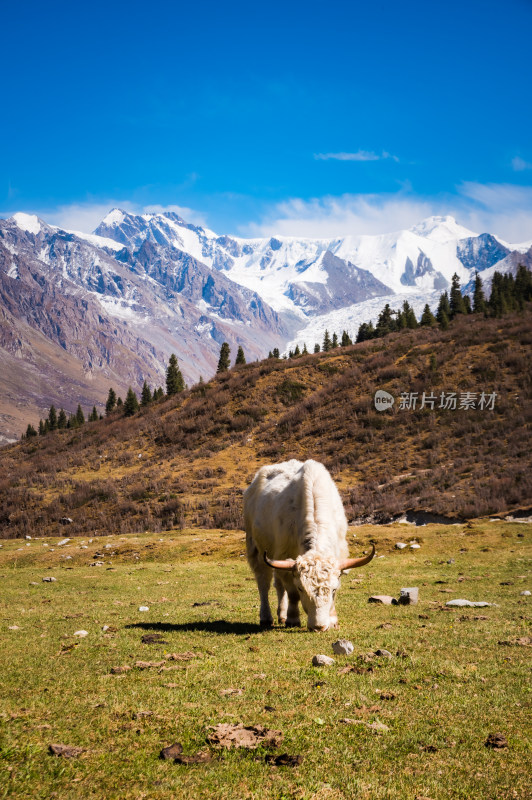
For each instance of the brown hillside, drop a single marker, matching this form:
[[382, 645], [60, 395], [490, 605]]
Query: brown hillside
[[187, 460]]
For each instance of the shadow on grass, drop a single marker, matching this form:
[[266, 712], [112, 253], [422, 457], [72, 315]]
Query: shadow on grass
[[210, 626]]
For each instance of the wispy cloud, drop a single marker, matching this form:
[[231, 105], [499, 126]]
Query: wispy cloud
[[502, 209], [519, 164], [360, 155]]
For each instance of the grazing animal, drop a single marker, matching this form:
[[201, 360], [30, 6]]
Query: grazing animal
[[296, 528]]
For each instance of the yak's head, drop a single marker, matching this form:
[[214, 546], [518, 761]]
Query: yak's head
[[317, 578]]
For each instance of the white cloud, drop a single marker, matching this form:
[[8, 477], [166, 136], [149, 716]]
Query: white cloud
[[519, 164], [502, 209], [360, 155]]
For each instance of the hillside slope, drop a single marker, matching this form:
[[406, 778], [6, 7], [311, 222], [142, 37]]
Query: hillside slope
[[188, 459]]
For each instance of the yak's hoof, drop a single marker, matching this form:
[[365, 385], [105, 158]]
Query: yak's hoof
[[293, 623], [266, 623]]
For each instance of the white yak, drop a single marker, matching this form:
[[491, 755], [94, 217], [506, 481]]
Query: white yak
[[296, 527]]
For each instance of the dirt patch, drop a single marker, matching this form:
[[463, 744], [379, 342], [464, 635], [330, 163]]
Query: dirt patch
[[227, 735]]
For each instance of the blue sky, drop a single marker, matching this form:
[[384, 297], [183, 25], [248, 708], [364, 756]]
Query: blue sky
[[309, 118]]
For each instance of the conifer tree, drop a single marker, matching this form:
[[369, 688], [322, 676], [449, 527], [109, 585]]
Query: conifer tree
[[62, 419], [304, 352], [270, 355], [131, 405], [297, 351], [346, 339], [240, 357], [317, 347], [456, 300], [385, 323], [427, 317], [158, 393], [523, 286], [479, 301], [334, 342], [174, 378], [93, 416], [276, 353], [30, 431], [467, 304], [52, 418], [42, 430], [146, 396], [80, 416], [119, 402], [365, 331], [327, 344], [223, 361], [444, 309], [409, 316], [111, 402]]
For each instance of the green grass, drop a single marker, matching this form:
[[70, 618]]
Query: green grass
[[453, 686]]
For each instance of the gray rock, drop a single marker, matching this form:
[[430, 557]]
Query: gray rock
[[49, 580], [461, 603], [415, 546], [400, 545], [409, 596], [385, 599], [322, 661], [383, 653], [526, 593], [342, 647]]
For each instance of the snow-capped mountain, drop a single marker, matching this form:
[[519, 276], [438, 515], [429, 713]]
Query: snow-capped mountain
[[84, 311]]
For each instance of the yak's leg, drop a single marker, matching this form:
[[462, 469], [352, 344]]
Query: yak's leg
[[282, 598], [293, 620], [263, 576]]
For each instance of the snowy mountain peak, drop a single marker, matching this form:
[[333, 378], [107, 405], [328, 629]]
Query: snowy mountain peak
[[29, 222], [114, 217], [441, 229]]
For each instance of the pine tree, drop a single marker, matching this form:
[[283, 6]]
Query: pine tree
[[30, 431], [297, 351], [479, 301], [317, 347], [444, 309], [467, 304], [304, 352], [409, 316], [158, 393], [62, 419], [224, 362], [365, 331], [385, 323], [334, 342], [276, 353], [240, 357], [52, 418], [327, 344], [346, 339], [131, 406], [456, 300], [427, 317], [80, 416], [119, 402], [523, 286], [174, 379], [111, 402], [93, 417], [146, 396], [270, 355], [41, 428]]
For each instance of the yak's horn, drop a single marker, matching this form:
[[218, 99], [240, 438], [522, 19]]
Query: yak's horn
[[288, 564], [351, 563]]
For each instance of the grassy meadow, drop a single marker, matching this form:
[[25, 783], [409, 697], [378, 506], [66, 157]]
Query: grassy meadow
[[449, 685]]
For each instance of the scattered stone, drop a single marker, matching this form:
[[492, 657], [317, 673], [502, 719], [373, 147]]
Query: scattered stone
[[171, 752], [62, 542], [385, 599], [322, 661], [228, 735], [343, 647], [65, 750], [383, 653], [497, 741], [81, 633], [415, 546], [97, 564], [13, 628], [284, 760], [526, 593], [203, 757], [400, 545], [460, 603], [521, 641], [409, 596], [49, 579], [33, 583], [120, 670], [450, 561], [183, 656], [66, 521], [144, 608], [153, 638]]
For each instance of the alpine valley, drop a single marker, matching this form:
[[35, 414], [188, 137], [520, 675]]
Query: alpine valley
[[82, 312]]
